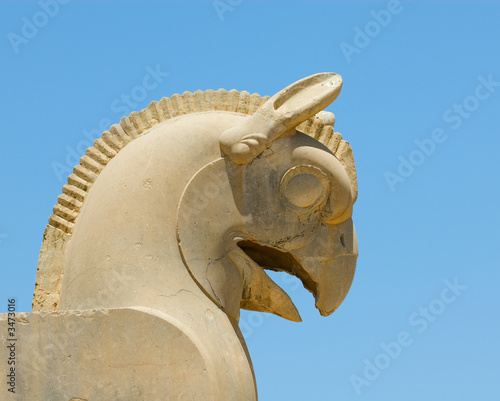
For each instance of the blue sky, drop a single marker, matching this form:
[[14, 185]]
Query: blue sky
[[419, 106]]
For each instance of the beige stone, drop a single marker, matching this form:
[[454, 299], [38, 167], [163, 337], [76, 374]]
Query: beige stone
[[165, 229], [125, 354]]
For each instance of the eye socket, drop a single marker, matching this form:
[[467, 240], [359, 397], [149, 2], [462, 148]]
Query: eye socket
[[303, 188]]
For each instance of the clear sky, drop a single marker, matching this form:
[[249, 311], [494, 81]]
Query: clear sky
[[420, 107]]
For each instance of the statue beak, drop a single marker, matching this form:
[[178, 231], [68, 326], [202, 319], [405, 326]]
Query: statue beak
[[329, 272], [334, 281], [325, 266]]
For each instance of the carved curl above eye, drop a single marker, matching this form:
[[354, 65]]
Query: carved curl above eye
[[304, 188]]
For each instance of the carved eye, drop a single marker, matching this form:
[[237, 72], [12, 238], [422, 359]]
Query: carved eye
[[304, 188]]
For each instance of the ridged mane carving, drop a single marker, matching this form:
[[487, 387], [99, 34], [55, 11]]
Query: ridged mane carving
[[119, 135]]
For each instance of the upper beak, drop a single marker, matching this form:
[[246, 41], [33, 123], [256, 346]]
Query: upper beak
[[333, 283], [328, 270]]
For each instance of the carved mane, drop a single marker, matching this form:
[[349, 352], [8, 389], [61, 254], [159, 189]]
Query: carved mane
[[66, 211]]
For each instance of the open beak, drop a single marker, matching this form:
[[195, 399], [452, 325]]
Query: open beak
[[326, 268]]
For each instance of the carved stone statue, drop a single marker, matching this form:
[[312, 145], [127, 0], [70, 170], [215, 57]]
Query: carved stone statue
[[163, 233]]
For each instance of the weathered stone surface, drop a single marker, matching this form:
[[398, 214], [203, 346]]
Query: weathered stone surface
[[124, 355], [164, 232], [50, 269]]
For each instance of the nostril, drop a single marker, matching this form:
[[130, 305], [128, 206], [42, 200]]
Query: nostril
[[342, 240]]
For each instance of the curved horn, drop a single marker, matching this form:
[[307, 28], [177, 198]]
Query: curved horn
[[282, 112]]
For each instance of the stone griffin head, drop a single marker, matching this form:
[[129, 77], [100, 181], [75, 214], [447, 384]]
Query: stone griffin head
[[281, 201], [166, 228], [220, 184]]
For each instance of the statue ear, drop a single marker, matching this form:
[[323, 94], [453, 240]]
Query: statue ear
[[282, 112], [302, 99], [304, 188]]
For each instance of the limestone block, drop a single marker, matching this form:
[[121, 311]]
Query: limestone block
[[126, 354]]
